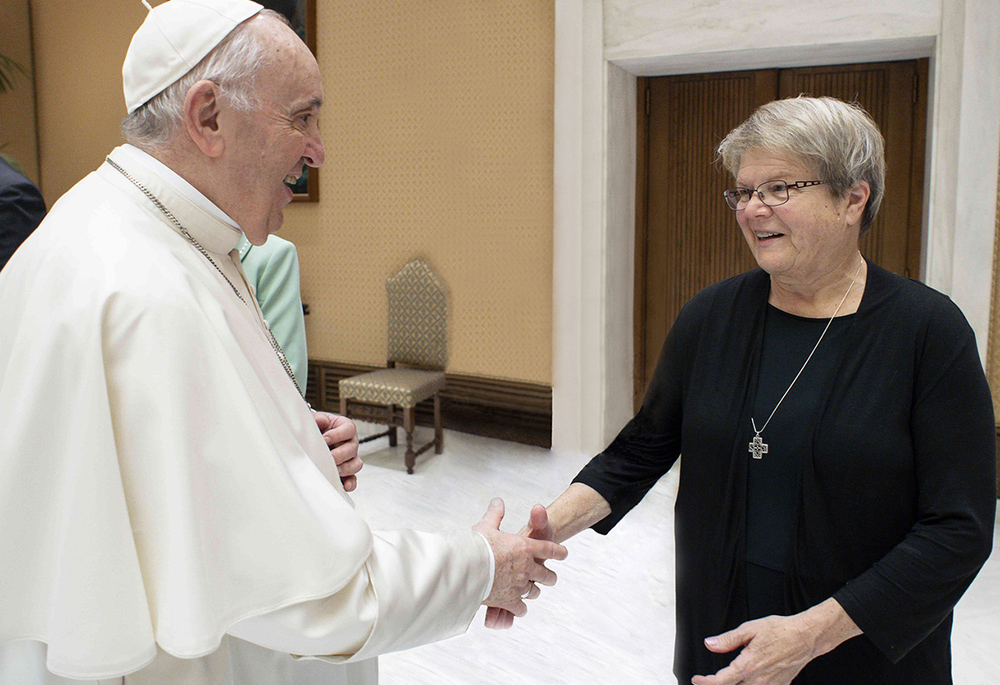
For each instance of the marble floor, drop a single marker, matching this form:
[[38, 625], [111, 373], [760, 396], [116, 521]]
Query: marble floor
[[610, 617]]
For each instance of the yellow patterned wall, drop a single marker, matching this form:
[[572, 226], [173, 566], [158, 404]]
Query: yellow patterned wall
[[79, 50], [438, 131]]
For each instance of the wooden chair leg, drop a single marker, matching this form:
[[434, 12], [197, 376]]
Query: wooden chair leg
[[343, 406], [392, 425], [438, 432], [411, 457]]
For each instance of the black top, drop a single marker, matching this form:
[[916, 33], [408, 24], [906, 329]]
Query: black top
[[772, 480], [21, 210], [895, 497]]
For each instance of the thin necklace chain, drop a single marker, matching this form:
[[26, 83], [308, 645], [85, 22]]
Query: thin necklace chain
[[184, 232], [837, 311]]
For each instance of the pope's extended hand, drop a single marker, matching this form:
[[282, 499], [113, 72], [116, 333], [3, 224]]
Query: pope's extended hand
[[341, 436], [520, 566], [538, 529]]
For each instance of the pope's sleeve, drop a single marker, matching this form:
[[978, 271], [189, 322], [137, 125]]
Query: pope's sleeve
[[414, 589]]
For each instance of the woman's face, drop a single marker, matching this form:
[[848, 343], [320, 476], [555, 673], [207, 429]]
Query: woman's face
[[809, 237]]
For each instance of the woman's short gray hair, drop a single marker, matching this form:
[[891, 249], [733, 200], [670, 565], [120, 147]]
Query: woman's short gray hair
[[837, 138], [233, 64]]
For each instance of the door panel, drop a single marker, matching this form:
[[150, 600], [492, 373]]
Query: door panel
[[691, 238]]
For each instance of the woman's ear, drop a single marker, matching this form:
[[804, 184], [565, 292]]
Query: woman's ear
[[857, 200], [201, 117]]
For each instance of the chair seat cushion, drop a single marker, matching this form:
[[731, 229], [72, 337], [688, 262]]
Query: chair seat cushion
[[402, 387]]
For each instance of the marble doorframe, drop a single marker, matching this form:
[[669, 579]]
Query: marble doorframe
[[601, 49]]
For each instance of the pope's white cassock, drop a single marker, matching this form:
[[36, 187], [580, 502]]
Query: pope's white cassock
[[169, 512]]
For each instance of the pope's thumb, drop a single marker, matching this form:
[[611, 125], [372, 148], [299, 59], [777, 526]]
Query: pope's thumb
[[494, 513]]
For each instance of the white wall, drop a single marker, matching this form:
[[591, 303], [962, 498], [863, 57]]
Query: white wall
[[594, 289], [579, 266]]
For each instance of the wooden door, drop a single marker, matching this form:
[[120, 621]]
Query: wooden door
[[686, 236]]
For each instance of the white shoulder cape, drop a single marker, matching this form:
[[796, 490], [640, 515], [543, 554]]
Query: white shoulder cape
[[160, 477]]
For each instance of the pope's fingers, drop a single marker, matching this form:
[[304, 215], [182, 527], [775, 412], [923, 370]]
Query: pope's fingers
[[533, 592], [498, 618], [544, 575], [340, 435], [323, 420], [350, 483], [350, 467], [344, 452], [340, 428]]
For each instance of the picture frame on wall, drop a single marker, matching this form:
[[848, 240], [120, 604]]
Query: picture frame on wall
[[301, 14]]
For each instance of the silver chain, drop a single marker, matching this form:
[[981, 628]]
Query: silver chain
[[837, 311], [184, 232]]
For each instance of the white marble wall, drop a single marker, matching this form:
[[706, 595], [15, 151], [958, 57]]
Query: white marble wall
[[646, 36], [620, 216], [658, 37], [579, 264]]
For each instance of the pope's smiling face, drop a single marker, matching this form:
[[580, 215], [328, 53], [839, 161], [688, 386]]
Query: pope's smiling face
[[273, 143]]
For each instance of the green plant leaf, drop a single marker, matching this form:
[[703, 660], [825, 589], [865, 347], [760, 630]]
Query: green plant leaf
[[8, 68]]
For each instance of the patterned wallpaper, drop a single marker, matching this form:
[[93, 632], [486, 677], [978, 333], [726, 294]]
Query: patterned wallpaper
[[438, 132]]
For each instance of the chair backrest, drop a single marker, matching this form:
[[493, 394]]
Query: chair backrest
[[418, 313]]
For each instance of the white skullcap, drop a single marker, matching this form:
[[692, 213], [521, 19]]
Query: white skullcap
[[174, 37]]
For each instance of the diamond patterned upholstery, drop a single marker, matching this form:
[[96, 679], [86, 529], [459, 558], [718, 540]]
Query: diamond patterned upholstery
[[417, 322], [402, 387], [417, 317]]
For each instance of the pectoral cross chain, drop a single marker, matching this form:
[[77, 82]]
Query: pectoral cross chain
[[758, 448]]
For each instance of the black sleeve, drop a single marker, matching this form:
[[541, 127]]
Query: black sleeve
[[913, 588], [21, 210], [650, 443]]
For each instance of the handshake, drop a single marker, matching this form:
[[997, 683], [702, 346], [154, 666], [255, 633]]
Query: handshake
[[519, 563]]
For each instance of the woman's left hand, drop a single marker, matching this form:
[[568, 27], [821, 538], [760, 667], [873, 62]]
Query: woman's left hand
[[776, 648]]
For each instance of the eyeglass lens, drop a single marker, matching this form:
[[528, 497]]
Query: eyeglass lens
[[771, 193]]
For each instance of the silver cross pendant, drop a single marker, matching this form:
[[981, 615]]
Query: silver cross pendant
[[758, 448]]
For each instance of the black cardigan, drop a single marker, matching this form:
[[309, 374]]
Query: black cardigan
[[896, 501]]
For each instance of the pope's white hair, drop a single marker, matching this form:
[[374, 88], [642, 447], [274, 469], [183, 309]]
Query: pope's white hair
[[838, 139], [233, 65]]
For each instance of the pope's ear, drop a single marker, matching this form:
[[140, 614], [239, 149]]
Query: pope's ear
[[201, 117]]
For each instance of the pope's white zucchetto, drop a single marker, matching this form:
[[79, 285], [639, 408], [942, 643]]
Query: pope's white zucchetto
[[174, 37]]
